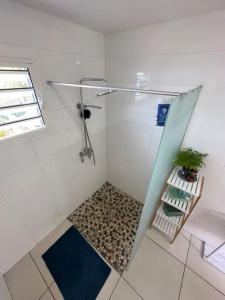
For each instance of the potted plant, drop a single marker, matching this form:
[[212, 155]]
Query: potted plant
[[190, 161]]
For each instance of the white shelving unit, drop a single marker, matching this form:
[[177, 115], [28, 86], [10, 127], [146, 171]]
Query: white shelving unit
[[181, 205], [171, 226], [192, 188]]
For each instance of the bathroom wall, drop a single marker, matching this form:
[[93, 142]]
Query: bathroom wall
[[175, 55], [41, 177]]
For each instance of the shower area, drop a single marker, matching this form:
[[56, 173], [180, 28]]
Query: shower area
[[139, 156]]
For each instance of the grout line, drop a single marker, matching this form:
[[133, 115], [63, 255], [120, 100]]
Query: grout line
[[58, 52], [114, 287], [182, 280], [189, 246], [51, 291], [39, 298], [185, 264], [205, 280], [187, 267], [45, 178], [164, 249], [7, 285], [181, 284], [48, 286], [42, 277], [136, 292], [38, 270], [119, 57]]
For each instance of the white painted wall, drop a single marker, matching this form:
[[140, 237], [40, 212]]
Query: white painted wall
[[41, 177], [175, 55]]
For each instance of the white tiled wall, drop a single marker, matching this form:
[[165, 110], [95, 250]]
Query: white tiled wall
[[132, 140], [41, 177], [174, 55]]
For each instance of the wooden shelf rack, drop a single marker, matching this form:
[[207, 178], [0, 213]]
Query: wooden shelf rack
[[171, 226]]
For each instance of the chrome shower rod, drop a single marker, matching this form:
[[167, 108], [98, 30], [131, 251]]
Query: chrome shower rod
[[112, 89]]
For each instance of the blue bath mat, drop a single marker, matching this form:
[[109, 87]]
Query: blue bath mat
[[78, 270]]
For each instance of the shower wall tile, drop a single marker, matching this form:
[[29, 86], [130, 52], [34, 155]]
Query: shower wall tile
[[131, 140], [13, 158], [200, 68], [12, 236], [129, 144], [69, 194], [174, 56], [199, 33], [70, 117], [42, 179], [20, 181], [53, 118], [59, 166], [63, 193], [50, 145], [36, 210], [75, 135]]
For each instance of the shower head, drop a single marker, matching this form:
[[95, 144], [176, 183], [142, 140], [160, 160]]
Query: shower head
[[105, 93]]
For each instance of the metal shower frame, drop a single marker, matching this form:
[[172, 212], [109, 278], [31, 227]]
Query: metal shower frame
[[88, 149], [112, 89]]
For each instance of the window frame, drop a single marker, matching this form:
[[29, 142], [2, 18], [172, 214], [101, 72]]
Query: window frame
[[29, 69]]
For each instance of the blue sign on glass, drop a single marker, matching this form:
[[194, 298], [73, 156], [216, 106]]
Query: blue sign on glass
[[162, 114]]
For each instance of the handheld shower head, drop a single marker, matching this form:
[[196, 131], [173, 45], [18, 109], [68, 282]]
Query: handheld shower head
[[105, 93]]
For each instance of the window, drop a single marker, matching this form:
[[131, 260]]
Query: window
[[20, 111]]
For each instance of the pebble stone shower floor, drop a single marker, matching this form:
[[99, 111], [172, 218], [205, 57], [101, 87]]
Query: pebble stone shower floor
[[109, 221]]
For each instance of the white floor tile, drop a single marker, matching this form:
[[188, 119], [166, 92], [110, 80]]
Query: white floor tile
[[44, 245], [196, 263], [179, 248], [4, 292], [47, 296], [153, 273], [124, 292], [109, 286], [25, 281], [195, 288], [56, 292]]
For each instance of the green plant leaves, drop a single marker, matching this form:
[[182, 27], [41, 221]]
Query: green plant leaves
[[190, 159]]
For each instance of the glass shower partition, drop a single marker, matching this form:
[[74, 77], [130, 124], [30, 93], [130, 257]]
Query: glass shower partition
[[178, 118]]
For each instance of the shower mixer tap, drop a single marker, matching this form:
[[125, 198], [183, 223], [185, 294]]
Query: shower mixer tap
[[79, 106], [87, 152]]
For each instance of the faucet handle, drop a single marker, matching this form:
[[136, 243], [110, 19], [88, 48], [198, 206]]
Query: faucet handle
[[93, 106]]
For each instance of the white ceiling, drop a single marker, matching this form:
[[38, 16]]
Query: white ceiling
[[115, 15]]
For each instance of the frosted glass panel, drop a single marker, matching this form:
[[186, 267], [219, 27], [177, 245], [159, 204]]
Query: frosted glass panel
[[177, 122]]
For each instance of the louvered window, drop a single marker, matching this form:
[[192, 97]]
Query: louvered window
[[20, 110]]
